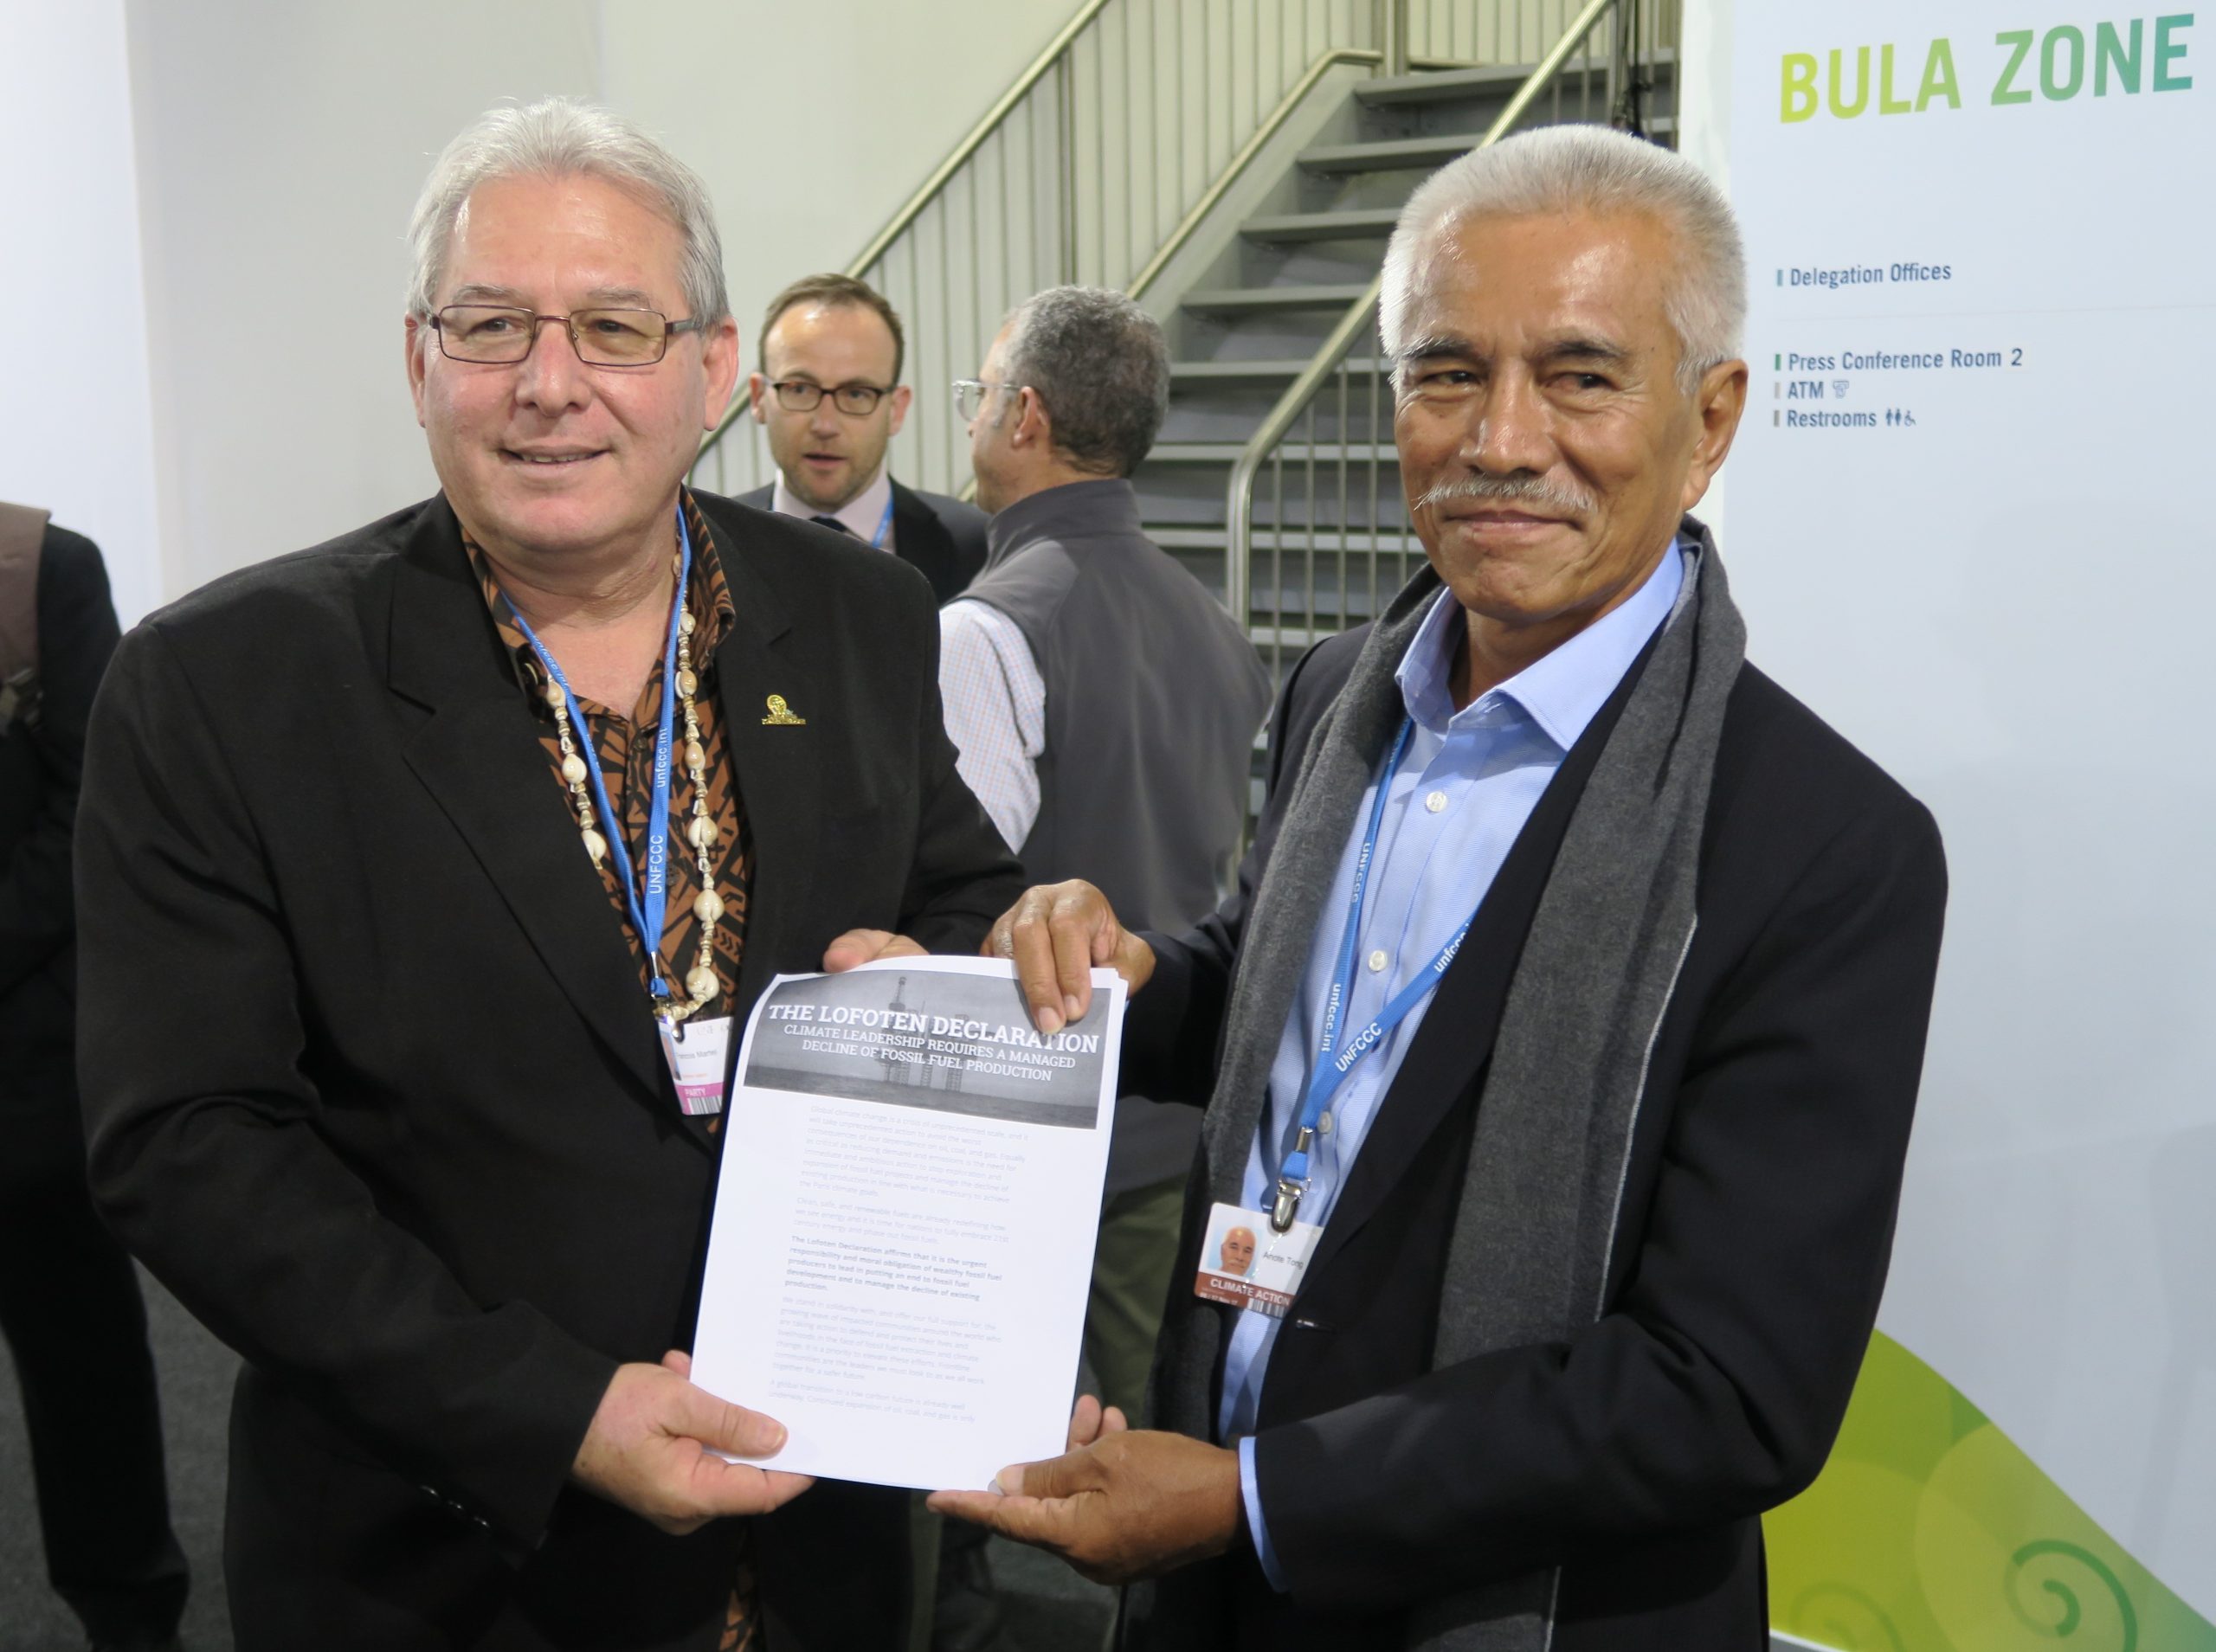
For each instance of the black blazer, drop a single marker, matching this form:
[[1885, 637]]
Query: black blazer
[[1757, 1222], [41, 760], [372, 1087], [942, 538]]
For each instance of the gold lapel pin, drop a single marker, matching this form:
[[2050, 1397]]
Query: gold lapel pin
[[782, 713]]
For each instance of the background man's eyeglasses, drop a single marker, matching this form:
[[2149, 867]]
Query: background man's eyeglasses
[[969, 396], [501, 333], [799, 395]]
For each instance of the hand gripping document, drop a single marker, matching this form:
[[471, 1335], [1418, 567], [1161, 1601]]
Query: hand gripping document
[[905, 1218]]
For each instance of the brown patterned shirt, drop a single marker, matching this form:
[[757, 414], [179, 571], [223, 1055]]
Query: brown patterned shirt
[[625, 746]]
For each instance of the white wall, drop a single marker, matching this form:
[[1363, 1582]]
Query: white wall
[[281, 147], [76, 424]]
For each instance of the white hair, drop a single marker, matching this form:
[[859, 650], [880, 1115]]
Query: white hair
[[1568, 169], [561, 138]]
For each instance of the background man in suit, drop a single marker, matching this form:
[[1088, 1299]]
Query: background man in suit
[[69, 1302], [414, 863], [1582, 977], [830, 396]]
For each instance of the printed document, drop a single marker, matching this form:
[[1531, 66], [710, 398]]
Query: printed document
[[905, 1219]]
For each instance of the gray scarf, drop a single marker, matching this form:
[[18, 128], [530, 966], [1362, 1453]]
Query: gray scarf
[[1529, 1257]]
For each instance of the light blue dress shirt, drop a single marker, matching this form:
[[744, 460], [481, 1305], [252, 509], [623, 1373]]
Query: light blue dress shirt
[[1464, 788]]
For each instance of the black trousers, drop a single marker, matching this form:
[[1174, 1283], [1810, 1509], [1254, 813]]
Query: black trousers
[[74, 1319]]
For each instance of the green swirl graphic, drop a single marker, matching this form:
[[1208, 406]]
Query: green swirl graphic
[[2071, 1614], [1864, 1628], [1930, 1530]]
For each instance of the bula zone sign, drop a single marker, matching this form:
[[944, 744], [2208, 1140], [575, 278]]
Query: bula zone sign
[[2141, 54]]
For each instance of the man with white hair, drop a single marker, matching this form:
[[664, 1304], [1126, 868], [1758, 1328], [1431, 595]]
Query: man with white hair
[[1581, 978], [425, 878]]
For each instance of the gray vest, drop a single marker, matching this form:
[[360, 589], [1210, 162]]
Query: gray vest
[[1153, 697]]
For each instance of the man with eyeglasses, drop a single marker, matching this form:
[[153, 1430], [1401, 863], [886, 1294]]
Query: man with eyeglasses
[[425, 879], [829, 396], [1105, 704]]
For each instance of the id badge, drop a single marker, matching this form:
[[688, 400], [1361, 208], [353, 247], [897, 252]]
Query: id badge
[[695, 1051], [1245, 1262]]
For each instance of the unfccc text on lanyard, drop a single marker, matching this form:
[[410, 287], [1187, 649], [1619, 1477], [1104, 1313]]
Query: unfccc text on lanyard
[[1333, 1063]]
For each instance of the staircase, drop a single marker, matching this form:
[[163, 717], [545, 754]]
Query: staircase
[[1239, 172], [1328, 541]]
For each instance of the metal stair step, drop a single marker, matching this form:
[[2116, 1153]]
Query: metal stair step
[[1396, 154], [1323, 623], [1433, 85], [1355, 224], [1289, 638], [1227, 452], [1390, 154], [1392, 542], [1241, 300], [1283, 367]]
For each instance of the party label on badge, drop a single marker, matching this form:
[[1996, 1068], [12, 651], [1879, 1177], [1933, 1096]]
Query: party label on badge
[[1245, 1262], [696, 1051]]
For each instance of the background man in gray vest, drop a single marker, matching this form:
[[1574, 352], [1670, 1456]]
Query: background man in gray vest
[[1104, 706]]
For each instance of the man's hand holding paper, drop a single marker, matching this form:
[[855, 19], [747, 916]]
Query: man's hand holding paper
[[1120, 1504], [1057, 936], [657, 1447]]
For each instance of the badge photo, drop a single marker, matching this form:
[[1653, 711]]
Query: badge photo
[[1246, 1265]]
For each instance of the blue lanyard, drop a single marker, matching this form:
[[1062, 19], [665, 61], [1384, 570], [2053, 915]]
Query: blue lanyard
[[884, 526], [1334, 1063], [646, 915]]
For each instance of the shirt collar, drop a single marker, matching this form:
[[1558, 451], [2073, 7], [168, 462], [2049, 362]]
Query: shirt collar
[[861, 516], [1562, 690], [708, 596]]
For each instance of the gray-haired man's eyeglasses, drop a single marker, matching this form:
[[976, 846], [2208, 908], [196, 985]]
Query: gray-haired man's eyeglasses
[[804, 396], [499, 333], [969, 396]]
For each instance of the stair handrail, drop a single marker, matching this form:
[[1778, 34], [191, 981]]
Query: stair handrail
[[1006, 104], [1236, 168], [1239, 507], [1233, 170]]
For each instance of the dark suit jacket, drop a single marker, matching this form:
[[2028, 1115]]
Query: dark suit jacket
[[941, 538], [372, 1088], [42, 760], [1757, 1224]]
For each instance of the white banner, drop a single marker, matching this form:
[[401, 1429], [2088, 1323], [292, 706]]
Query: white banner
[[1967, 521]]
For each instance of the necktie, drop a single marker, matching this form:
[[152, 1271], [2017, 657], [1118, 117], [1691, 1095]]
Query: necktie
[[833, 524]]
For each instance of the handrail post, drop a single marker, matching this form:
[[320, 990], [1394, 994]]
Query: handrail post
[[1393, 37], [1623, 68], [1066, 185]]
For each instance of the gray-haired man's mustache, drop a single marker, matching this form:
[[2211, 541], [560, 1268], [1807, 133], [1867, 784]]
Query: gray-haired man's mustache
[[1506, 489]]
